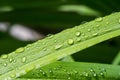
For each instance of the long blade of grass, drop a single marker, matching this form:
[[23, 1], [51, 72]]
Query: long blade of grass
[[58, 46], [81, 71]]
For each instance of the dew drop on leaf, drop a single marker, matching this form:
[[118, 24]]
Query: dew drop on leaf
[[58, 46], [77, 34], [50, 36], [11, 60], [19, 50], [95, 34], [119, 21], [24, 59], [99, 19], [94, 74], [78, 39], [29, 68], [5, 64], [13, 76], [89, 30], [70, 41], [4, 56], [107, 22]]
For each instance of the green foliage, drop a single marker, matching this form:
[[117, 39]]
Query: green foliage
[[54, 57]]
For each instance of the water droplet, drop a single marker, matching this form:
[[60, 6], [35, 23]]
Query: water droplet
[[94, 74], [97, 25], [77, 34], [99, 19], [58, 46], [13, 76], [5, 64], [43, 73], [44, 49], [50, 35], [24, 59], [103, 70], [29, 68], [95, 34], [91, 70], [70, 41], [119, 21], [78, 39], [69, 78], [107, 22], [11, 60], [19, 50], [89, 30], [75, 72], [101, 73], [4, 56]]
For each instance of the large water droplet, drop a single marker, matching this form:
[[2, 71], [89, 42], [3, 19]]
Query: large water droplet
[[4, 56], [99, 19], [24, 59], [19, 50], [58, 46], [70, 41], [77, 34]]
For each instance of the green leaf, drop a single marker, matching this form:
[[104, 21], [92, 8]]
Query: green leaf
[[57, 46], [82, 71]]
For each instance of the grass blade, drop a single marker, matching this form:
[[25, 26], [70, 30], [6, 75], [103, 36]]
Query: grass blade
[[58, 46], [81, 71]]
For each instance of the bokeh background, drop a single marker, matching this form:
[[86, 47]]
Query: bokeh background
[[26, 21]]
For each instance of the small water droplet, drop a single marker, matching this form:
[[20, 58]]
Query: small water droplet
[[107, 22], [13, 76], [29, 68], [99, 19], [94, 74], [43, 73], [89, 30], [78, 39], [4, 56], [101, 73], [5, 64], [97, 25], [91, 70], [70, 41], [50, 36], [44, 49], [19, 50], [77, 34], [11, 60], [58, 46], [24, 59], [76, 72], [69, 78], [95, 34], [119, 21]]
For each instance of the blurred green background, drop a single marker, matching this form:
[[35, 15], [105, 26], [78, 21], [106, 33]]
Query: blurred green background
[[26, 21]]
